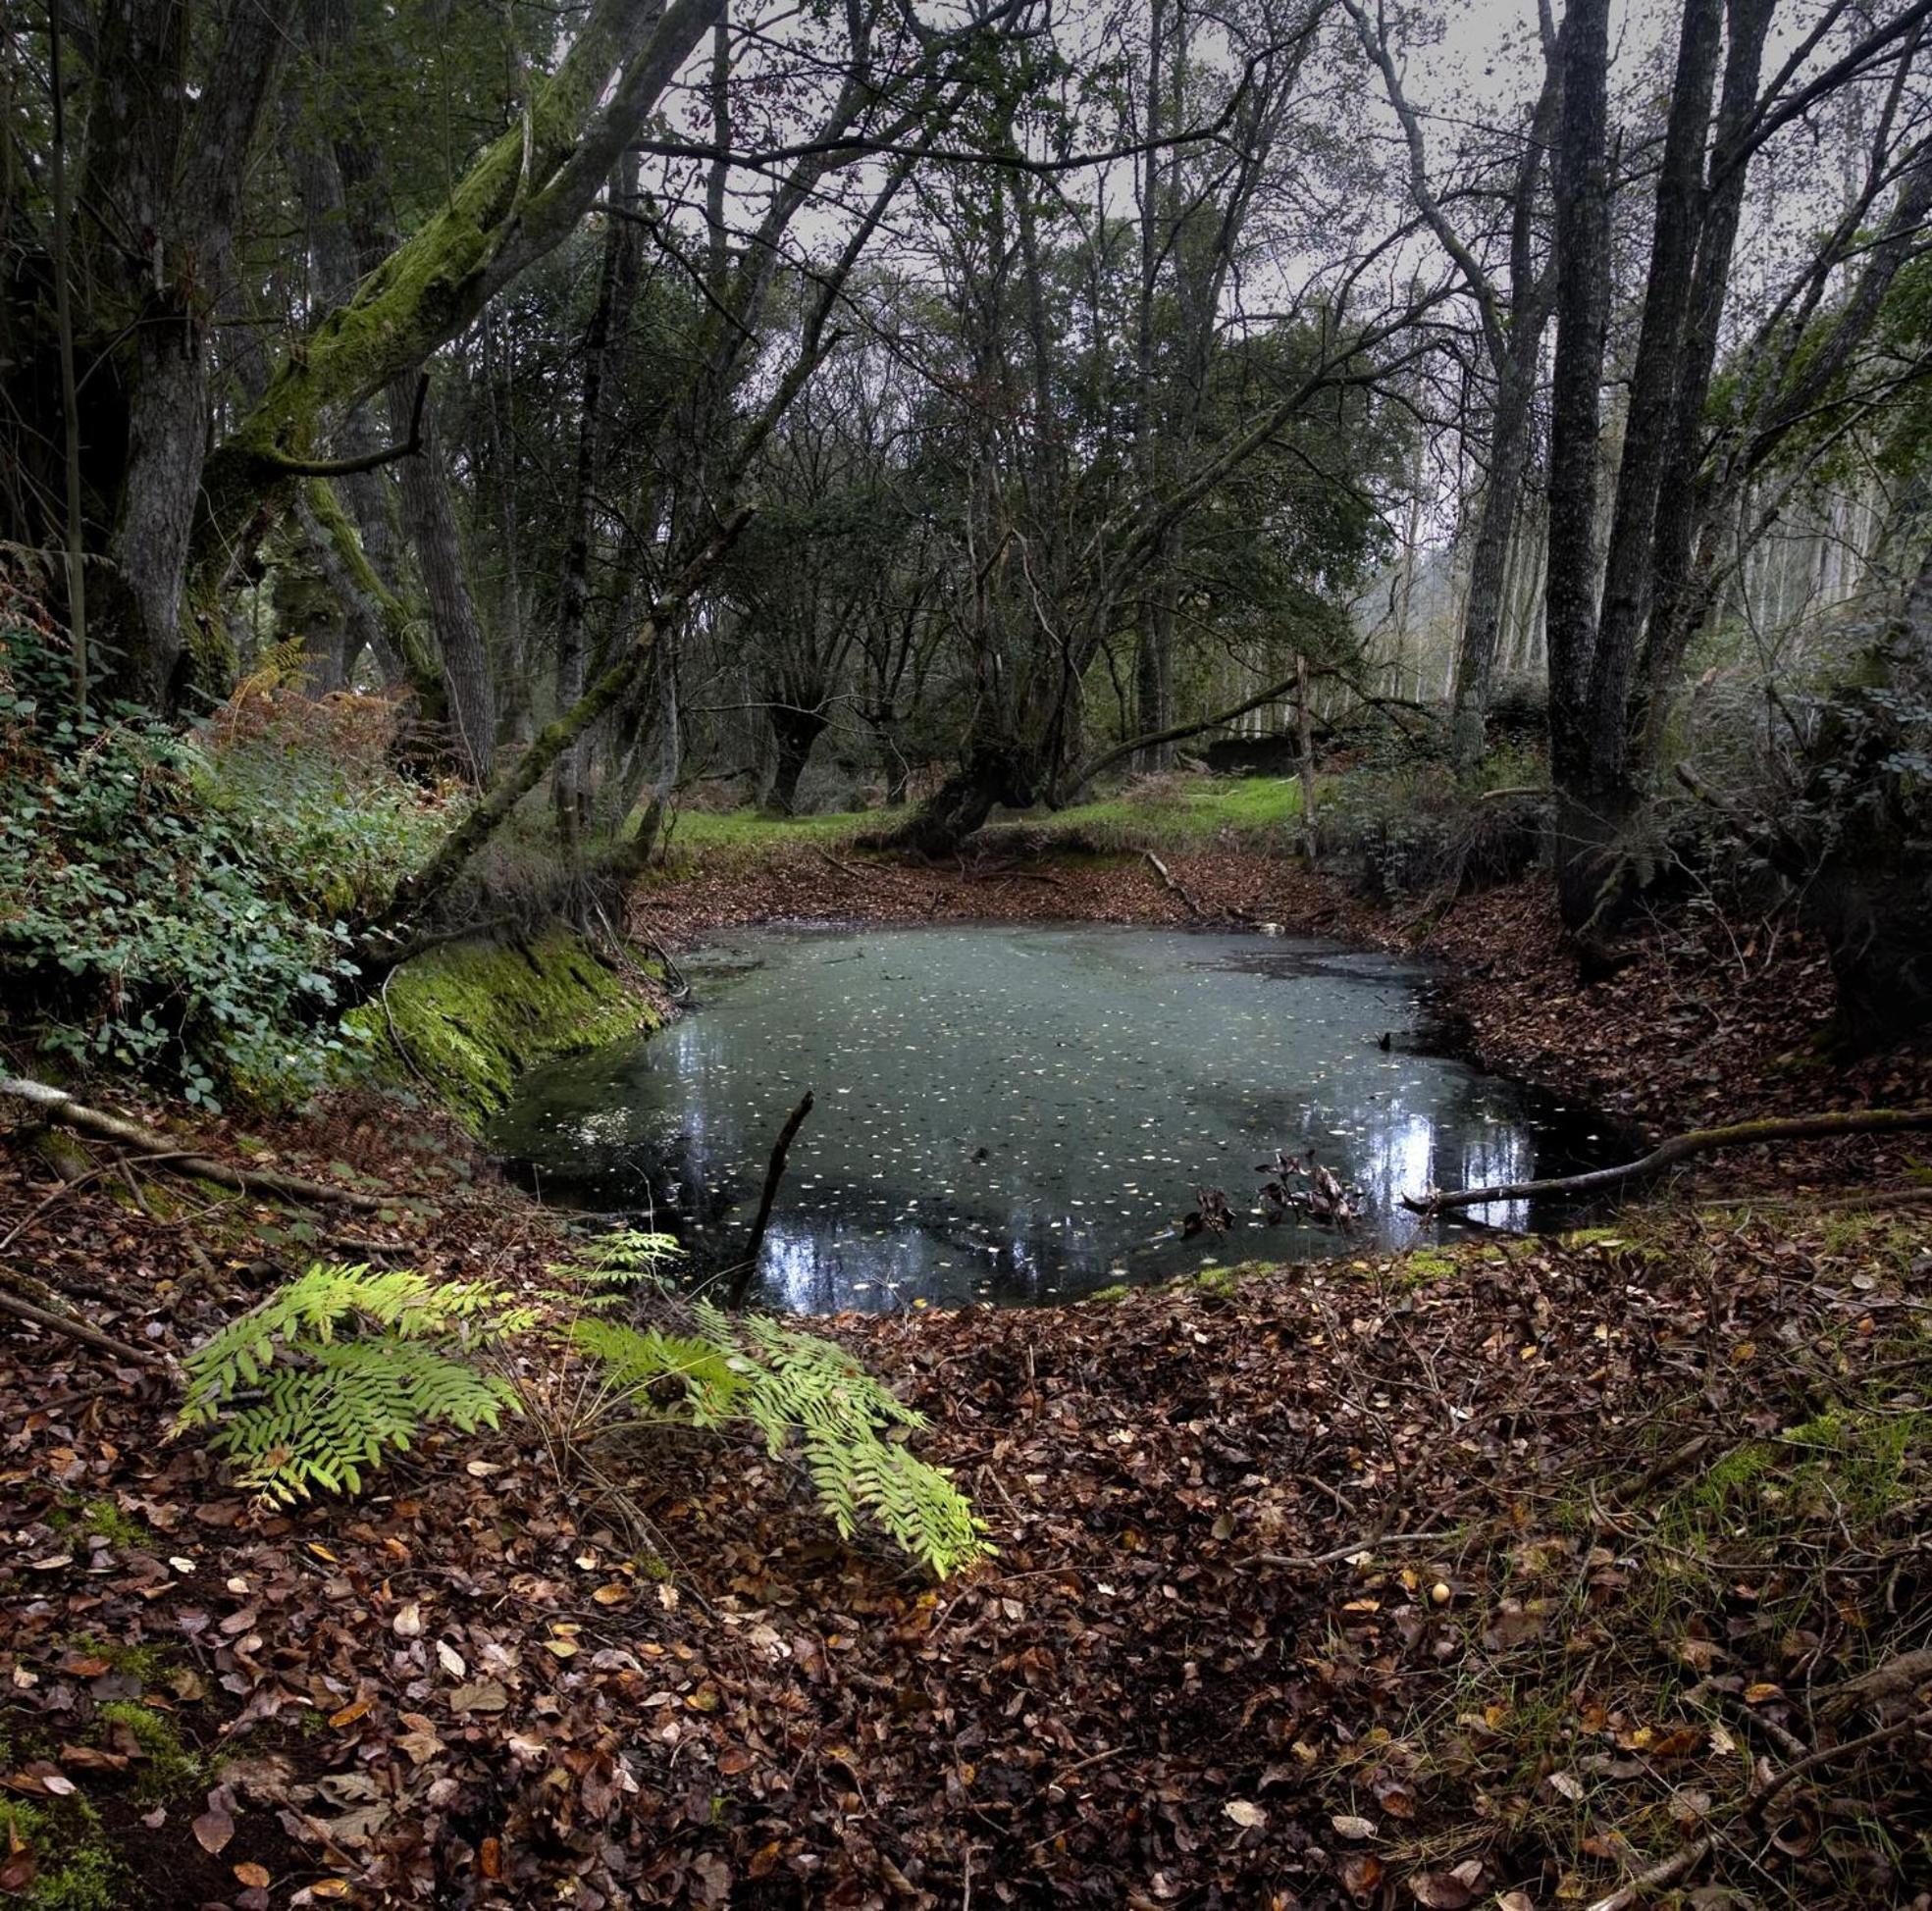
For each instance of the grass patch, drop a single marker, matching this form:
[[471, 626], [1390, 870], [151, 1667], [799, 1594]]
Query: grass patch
[[755, 831], [1179, 813], [1191, 813]]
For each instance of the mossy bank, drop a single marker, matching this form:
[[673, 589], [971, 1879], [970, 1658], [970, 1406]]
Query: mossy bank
[[467, 1020]]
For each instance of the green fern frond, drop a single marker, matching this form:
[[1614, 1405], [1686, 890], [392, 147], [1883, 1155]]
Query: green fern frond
[[795, 1388], [350, 1366], [626, 1257]]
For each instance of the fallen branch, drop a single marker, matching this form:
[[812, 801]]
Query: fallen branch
[[1160, 869], [60, 1324], [1900, 1674], [57, 1105], [1698, 1141]]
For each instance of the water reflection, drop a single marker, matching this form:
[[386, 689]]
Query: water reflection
[[1022, 1115]]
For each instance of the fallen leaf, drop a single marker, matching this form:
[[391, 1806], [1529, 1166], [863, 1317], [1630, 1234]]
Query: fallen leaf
[[1248, 1816], [254, 1876], [1347, 1827], [484, 1695], [1440, 1890], [213, 1829]]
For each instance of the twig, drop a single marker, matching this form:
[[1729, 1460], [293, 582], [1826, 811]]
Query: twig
[[1689, 1856], [1376, 1543]]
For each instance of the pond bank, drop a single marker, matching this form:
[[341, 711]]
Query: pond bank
[[1372, 1582], [467, 1019]]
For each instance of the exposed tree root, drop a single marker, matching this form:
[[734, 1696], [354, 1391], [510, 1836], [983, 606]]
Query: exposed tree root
[[1698, 1141], [60, 1323]]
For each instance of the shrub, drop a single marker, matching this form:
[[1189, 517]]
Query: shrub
[[173, 905]]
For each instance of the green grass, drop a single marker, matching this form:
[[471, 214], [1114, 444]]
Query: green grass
[[1189, 815], [1194, 813], [755, 830]]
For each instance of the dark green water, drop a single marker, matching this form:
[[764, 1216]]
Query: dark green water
[[1020, 1115]]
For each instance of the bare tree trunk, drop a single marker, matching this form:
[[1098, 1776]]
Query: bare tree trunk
[[1581, 190], [1305, 760]]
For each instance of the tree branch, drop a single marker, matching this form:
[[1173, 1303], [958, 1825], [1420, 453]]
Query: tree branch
[[369, 460]]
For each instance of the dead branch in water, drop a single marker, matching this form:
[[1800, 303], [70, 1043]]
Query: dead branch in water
[[773, 1175], [1698, 1141]]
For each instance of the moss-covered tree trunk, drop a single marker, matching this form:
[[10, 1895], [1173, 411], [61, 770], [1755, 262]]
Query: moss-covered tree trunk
[[515, 204]]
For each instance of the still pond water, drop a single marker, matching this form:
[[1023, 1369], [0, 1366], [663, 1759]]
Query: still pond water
[[1023, 1114]]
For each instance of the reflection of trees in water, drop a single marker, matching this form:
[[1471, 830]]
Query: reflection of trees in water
[[1015, 1258]]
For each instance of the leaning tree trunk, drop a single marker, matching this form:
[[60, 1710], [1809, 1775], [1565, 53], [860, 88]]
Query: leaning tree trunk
[[996, 771], [522, 197]]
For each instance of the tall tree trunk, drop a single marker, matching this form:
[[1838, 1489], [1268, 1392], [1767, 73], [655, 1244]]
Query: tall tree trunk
[[1655, 383], [430, 521], [793, 731], [1517, 369], [1581, 193], [159, 212], [609, 318]]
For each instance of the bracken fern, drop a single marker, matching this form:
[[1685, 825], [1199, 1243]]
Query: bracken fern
[[349, 1365], [791, 1386]]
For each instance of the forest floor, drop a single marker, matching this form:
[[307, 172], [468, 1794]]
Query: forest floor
[[1505, 1576]]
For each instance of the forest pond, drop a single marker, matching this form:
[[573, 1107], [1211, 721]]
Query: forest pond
[[1025, 1115]]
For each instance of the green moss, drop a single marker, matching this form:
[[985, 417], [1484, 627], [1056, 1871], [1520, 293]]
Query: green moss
[[1590, 1237], [102, 1516], [1425, 1266], [168, 1768], [473, 1017], [76, 1868], [1107, 1296], [149, 1664], [1217, 1279], [1855, 1462]]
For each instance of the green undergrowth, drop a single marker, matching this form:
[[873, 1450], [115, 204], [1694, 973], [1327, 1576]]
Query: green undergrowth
[[469, 1018]]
